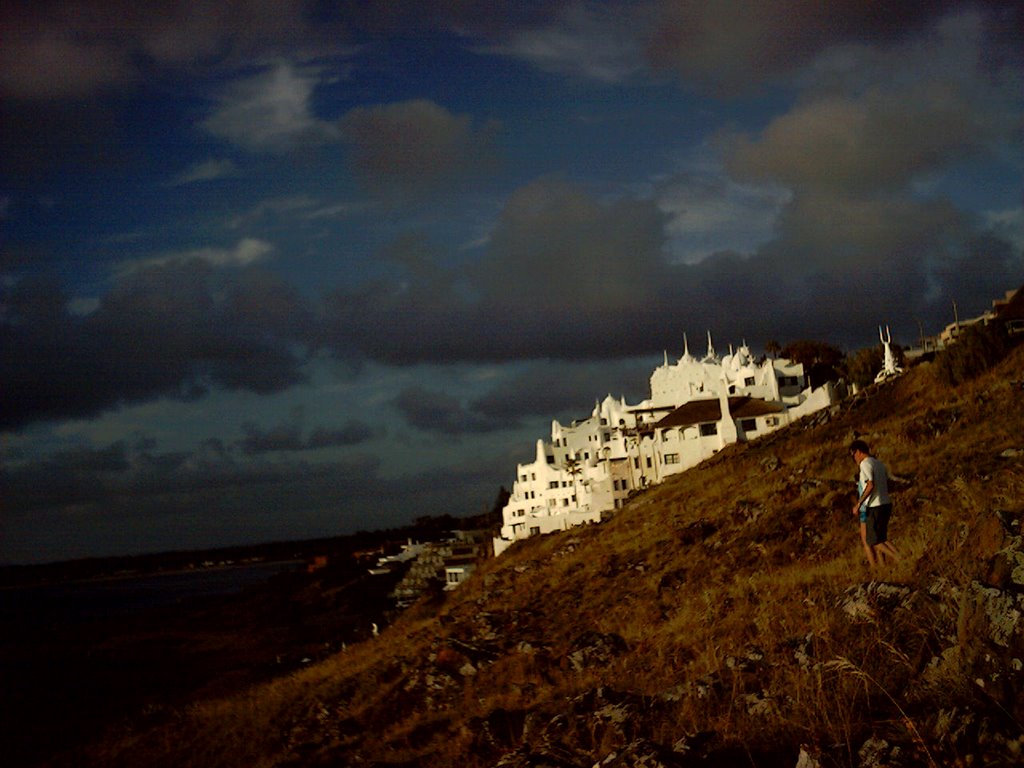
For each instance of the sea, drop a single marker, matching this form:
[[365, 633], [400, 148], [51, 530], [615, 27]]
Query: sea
[[69, 603]]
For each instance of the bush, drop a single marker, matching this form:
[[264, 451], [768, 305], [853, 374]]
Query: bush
[[979, 348]]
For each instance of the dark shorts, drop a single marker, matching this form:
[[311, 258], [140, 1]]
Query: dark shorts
[[878, 524]]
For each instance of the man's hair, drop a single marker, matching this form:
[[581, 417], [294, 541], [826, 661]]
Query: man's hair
[[859, 445]]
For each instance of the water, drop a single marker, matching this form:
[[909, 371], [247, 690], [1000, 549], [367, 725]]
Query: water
[[71, 603]]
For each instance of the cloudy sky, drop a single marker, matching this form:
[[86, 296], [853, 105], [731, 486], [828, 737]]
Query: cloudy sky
[[279, 269]]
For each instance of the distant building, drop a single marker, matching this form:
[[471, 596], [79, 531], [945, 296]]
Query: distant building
[[1010, 311], [445, 564], [696, 408]]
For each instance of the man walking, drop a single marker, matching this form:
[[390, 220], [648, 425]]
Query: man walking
[[874, 479]]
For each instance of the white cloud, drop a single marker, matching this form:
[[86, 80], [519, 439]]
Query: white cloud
[[271, 112], [247, 251], [594, 43], [206, 171], [709, 213], [296, 205]]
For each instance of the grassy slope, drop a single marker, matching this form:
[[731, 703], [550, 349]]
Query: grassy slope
[[721, 581]]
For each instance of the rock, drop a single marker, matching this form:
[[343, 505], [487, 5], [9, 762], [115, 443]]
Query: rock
[[803, 650], [864, 602], [875, 753], [545, 756], [642, 754], [476, 653], [595, 649], [751, 660], [995, 614], [808, 758], [760, 704]]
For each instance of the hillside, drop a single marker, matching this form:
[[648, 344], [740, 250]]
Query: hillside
[[724, 618]]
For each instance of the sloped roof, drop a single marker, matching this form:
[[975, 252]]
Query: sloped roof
[[704, 411]]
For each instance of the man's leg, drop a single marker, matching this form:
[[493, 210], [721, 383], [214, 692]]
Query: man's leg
[[888, 550], [867, 548]]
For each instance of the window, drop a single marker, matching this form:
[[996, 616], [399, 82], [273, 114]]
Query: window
[[606, 436], [565, 502], [707, 430], [553, 484], [671, 458], [649, 462], [636, 463], [551, 459], [772, 421], [533, 475], [523, 478], [749, 381], [534, 530], [748, 425], [552, 502]]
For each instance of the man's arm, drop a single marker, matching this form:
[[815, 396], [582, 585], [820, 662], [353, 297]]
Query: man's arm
[[869, 486]]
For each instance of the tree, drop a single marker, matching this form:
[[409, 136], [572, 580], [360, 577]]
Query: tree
[[572, 466], [862, 366], [773, 348], [821, 360]]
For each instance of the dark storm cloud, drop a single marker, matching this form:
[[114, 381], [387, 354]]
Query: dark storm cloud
[[566, 276], [559, 389], [288, 436], [120, 499], [90, 475], [416, 144], [439, 412], [171, 330], [71, 49], [881, 140], [733, 46]]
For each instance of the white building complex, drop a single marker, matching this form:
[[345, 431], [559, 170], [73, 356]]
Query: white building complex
[[696, 408]]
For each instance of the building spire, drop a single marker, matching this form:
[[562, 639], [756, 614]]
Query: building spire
[[711, 348]]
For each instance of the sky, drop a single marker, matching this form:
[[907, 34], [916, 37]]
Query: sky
[[285, 269]]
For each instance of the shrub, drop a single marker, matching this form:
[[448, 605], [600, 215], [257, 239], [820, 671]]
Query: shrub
[[979, 348]]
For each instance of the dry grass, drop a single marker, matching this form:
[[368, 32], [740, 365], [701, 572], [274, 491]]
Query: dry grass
[[752, 550]]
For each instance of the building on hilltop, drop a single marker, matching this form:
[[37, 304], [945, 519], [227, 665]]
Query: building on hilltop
[[696, 408]]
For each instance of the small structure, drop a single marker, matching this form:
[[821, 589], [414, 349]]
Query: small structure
[[889, 367]]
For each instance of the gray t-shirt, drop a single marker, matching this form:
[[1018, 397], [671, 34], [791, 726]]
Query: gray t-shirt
[[872, 469]]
